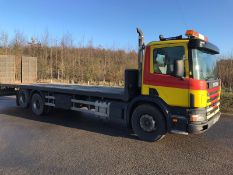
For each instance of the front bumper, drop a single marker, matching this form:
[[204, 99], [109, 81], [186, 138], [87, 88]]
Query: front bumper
[[200, 128]]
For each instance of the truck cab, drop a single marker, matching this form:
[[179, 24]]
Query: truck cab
[[181, 74]]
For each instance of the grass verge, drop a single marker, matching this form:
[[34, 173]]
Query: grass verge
[[227, 102]]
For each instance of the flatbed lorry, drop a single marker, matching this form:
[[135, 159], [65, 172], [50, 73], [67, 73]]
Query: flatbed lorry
[[174, 90]]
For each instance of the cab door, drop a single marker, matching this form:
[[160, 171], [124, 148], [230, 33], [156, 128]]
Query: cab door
[[159, 73]]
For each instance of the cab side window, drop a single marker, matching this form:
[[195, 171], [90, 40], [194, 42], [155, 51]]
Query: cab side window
[[164, 59]]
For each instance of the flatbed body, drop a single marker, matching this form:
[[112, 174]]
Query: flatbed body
[[112, 93], [105, 102], [95, 91]]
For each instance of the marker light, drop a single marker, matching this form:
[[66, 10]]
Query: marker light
[[192, 33]]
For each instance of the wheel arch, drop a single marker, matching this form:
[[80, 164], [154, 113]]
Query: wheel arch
[[155, 101]]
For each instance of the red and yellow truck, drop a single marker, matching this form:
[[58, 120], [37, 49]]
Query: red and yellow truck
[[175, 89]]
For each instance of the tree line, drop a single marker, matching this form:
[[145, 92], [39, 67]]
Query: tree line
[[62, 61], [225, 72], [59, 60]]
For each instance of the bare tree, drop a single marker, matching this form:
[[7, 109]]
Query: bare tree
[[62, 60], [4, 42]]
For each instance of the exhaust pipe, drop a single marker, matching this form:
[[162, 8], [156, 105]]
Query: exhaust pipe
[[141, 47]]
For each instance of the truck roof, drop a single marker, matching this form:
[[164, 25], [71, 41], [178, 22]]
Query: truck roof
[[193, 43], [168, 42]]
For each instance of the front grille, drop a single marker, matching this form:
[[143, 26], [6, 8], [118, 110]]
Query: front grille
[[215, 98], [213, 101]]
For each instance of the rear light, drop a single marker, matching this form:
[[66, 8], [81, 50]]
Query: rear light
[[192, 33]]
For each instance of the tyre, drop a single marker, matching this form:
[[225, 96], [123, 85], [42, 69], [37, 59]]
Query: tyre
[[148, 123], [37, 105], [23, 98]]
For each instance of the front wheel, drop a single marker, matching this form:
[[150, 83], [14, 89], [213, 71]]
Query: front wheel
[[148, 123]]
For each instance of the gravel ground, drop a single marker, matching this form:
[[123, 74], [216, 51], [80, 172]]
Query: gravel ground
[[74, 143]]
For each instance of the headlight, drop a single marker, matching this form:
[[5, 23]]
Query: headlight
[[197, 118]]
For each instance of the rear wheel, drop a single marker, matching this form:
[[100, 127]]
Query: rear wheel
[[148, 123], [37, 104], [23, 98]]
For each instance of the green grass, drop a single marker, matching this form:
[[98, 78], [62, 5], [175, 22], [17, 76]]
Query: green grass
[[227, 102]]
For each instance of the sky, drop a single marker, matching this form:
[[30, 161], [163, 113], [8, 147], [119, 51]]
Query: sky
[[112, 23]]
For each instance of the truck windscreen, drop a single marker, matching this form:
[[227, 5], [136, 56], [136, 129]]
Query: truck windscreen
[[204, 65]]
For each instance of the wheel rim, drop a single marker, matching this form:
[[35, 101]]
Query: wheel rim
[[147, 123], [22, 98], [36, 105]]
